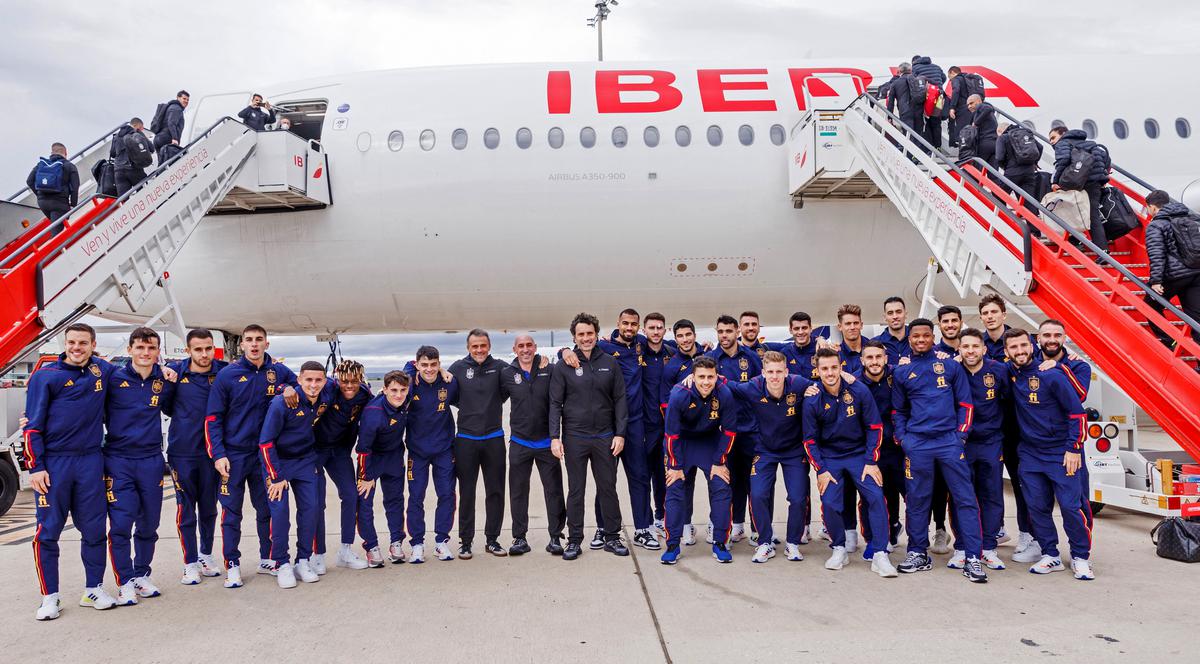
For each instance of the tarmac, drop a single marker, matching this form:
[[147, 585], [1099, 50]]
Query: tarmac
[[602, 608]]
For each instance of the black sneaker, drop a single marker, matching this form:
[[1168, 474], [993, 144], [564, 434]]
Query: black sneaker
[[616, 547], [495, 549], [572, 551], [646, 540], [555, 547], [915, 562], [597, 540], [464, 551], [519, 547], [973, 570]]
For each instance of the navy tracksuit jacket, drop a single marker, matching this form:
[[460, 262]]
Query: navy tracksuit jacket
[[891, 456], [700, 434], [743, 365], [801, 360], [288, 445], [652, 384], [638, 454], [896, 348], [337, 431], [192, 471], [990, 388], [851, 359], [430, 437], [380, 452]]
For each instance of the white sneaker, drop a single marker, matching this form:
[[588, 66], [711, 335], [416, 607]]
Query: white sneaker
[[738, 534], [941, 542], [882, 565], [305, 571], [792, 552], [709, 538], [347, 558], [838, 558], [191, 574], [233, 577], [127, 595], [661, 527], [285, 576], [99, 599], [1028, 550], [418, 554], [992, 559], [50, 609], [442, 551], [396, 553], [317, 562], [958, 560], [689, 535], [1047, 564], [145, 587], [1003, 537], [374, 558], [824, 534], [851, 541], [763, 553], [1083, 569], [208, 566], [266, 567], [806, 535]]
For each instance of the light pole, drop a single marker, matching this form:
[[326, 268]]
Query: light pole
[[597, 21]]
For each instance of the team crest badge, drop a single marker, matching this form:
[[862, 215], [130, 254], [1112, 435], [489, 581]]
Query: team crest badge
[[743, 364], [1034, 383], [211, 379], [847, 398], [889, 381], [716, 404], [791, 399], [989, 380], [95, 370], [813, 359], [939, 368], [270, 375], [321, 409], [156, 386], [517, 379], [443, 394], [470, 374], [761, 351], [579, 371]]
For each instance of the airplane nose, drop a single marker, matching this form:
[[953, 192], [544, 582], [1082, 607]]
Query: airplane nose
[[1191, 195]]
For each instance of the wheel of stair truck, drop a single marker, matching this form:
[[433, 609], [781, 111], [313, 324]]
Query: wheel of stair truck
[[10, 481]]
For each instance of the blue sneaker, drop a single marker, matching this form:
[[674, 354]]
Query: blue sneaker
[[670, 556], [722, 553]]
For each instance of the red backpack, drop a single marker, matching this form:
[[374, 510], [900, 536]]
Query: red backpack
[[934, 101]]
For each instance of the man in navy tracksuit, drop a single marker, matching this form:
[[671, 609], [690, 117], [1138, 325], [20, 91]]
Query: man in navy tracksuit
[[843, 435], [1049, 348], [801, 351], [133, 464], [288, 446], [700, 434], [192, 471], [62, 440], [677, 368], [774, 401], [878, 377], [380, 452], [430, 436], [748, 329], [1051, 421], [850, 325], [895, 337], [237, 405], [933, 417], [738, 364], [336, 432], [657, 352]]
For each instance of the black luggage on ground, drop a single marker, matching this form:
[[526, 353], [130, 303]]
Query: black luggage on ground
[[1177, 539]]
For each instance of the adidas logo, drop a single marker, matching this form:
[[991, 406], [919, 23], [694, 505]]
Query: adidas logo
[[124, 383], [242, 379], [70, 383]]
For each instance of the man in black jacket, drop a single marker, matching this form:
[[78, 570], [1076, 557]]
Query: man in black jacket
[[1022, 174], [172, 133], [957, 92], [126, 175], [900, 99], [588, 415], [984, 119], [1064, 142], [1168, 275], [57, 189], [254, 116], [922, 66]]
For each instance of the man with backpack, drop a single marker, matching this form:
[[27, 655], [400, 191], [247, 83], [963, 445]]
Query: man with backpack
[[906, 98], [1082, 164], [1018, 153], [167, 126], [1173, 245], [960, 86], [131, 153], [933, 78], [55, 181], [983, 118]]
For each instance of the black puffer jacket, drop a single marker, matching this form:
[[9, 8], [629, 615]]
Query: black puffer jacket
[[1076, 138], [1160, 246], [923, 66]]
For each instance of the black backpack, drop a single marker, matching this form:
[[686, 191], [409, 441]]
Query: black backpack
[[160, 118], [1118, 215], [106, 183], [974, 83], [1024, 146], [1075, 175], [918, 88], [1186, 232], [138, 149]]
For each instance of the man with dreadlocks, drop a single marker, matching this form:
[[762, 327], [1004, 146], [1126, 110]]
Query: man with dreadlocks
[[336, 431]]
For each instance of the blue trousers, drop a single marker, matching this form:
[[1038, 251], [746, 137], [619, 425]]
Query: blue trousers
[[986, 460], [637, 457], [441, 466], [245, 471], [848, 473], [389, 471], [741, 460], [1085, 488], [353, 509], [1044, 482], [301, 476], [658, 470], [891, 466], [678, 504], [135, 495], [196, 484], [762, 492], [76, 489], [947, 453]]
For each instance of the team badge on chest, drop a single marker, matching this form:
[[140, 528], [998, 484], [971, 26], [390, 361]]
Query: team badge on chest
[[1034, 383], [847, 398], [156, 386], [517, 379], [470, 374], [270, 375], [743, 364], [579, 371], [791, 399], [939, 368], [443, 394], [95, 370], [989, 380]]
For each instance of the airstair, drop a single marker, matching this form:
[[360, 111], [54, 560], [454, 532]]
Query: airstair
[[109, 254], [983, 236]]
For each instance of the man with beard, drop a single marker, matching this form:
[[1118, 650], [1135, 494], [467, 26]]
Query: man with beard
[[949, 319], [895, 337], [738, 364], [1051, 335], [676, 369], [877, 376]]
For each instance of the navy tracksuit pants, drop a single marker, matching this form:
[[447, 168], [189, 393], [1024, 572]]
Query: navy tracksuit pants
[[762, 493], [388, 471], [76, 489], [637, 458], [135, 496], [658, 470], [947, 452], [196, 484], [848, 473], [987, 475], [245, 470], [741, 460], [301, 476], [891, 466], [1044, 482], [698, 457], [441, 466], [353, 509]]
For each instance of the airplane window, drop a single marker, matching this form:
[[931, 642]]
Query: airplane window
[[620, 137], [650, 136], [1057, 123], [396, 141], [1120, 128], [778, 135], [714, 135], [524, 138], [427, 140], [555, 137], [491, 138], [683, 136], [459, 139], [587, 137], [1089, 128], [1151, 128], [746, 135], [1183, 127]]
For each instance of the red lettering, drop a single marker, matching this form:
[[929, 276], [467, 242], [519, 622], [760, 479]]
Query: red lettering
[[609, 87], [558, 92], [816, 87], [713, 88], [1004, 87]]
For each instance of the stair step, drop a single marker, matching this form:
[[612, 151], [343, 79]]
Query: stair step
[[1176, 323]]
